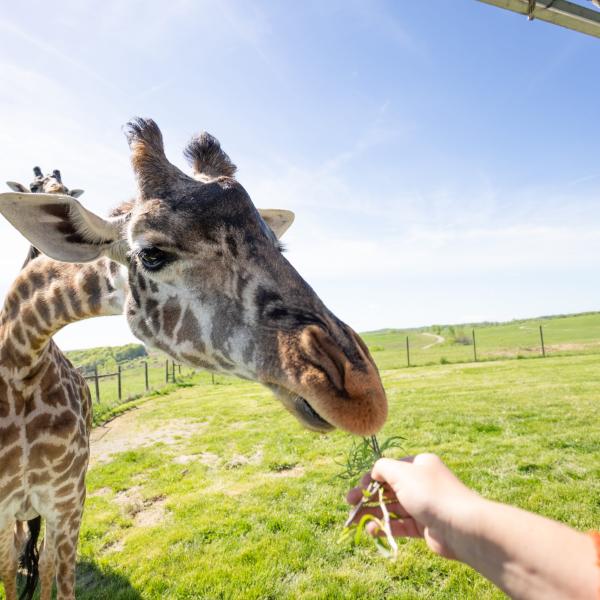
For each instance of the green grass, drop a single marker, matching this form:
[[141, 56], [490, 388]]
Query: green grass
[[133, 379], [254, 510], [568, 335]]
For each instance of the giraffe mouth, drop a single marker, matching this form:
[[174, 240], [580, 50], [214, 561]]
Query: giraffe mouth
[[310, 415], [302, 409]]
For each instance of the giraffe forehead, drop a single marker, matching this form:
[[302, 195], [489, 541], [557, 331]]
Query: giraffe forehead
[[191, 219], [49, 184]]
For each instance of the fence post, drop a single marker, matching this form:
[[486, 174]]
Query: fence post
[[119, 382], [173, 371], [96, 384], [474, 344], [167, 371], [146, 374], [179, 368], [407, 353], [542, 339], [213, 378]]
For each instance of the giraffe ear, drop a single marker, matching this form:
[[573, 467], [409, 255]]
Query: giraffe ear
[[76, 193], [277, 219], [17, 187], [62, 228]]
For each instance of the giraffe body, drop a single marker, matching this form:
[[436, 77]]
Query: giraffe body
[[45, 412]]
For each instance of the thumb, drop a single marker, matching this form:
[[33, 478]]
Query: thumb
[[392, 471]]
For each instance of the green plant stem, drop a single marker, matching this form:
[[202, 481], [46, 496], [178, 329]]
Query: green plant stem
[[357, 457]]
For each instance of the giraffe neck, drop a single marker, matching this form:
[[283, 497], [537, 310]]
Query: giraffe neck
[[46, 296]]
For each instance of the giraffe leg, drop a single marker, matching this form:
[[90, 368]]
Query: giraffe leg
[[47, 564], [66, 536], [8, 561]]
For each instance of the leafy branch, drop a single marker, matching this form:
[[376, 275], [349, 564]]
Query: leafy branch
[[363, 453]]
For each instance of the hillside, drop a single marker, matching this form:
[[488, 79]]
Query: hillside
[[563, 334]]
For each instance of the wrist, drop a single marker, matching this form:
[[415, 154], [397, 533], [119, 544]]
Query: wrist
[[461, 524]]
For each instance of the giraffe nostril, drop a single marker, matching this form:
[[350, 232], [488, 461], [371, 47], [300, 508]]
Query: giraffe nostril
[[325, 354], [363, 348]]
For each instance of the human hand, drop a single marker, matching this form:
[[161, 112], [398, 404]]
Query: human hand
[[426, 496]]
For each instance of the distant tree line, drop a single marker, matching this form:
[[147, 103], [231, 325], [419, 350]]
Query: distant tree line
[[106, 357]]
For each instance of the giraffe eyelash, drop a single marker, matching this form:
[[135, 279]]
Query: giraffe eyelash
[[153, 259]]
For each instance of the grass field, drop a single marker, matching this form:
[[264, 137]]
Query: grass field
[[568, 335], [232, 499], [214, 491]]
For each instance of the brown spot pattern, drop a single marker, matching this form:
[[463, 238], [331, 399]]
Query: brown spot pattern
[[92, 288], [170, 315]]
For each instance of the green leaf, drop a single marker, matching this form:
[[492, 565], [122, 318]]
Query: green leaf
[[361, 526]]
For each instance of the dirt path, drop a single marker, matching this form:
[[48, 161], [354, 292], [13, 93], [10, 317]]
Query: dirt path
[[438, 339], [129, 431]]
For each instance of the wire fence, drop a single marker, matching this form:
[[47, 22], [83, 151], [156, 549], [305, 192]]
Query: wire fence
[[573, 335], [472, 342], [135, 379], [171, 371]]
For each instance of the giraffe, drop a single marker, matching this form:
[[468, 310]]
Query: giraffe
[[45, 405], [48, 184], [199, 273]]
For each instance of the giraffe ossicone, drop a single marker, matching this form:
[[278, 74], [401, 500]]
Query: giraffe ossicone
[[45, 184]]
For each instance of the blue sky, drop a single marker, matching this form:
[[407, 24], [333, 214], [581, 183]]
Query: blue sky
[[441, 157]]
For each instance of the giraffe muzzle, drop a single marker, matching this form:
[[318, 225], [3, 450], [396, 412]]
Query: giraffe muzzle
[[330, 381]]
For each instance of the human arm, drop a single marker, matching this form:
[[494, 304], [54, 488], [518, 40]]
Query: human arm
[[526, 555]]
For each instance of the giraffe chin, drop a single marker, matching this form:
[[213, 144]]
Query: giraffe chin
[[302, 410]]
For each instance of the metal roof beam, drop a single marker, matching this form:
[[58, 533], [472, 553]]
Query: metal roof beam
[[560, 12]]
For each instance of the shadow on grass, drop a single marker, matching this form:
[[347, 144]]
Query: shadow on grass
[[102, 582], [93, 581]]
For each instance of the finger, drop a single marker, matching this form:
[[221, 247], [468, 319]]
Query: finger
[[354, 495], [405, 528], [367, 478], [391, 471]]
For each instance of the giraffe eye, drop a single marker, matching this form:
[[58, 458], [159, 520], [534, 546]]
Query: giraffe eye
[[152, 258]]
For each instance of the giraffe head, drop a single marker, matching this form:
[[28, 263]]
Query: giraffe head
[[209, 284], [45, 184]]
